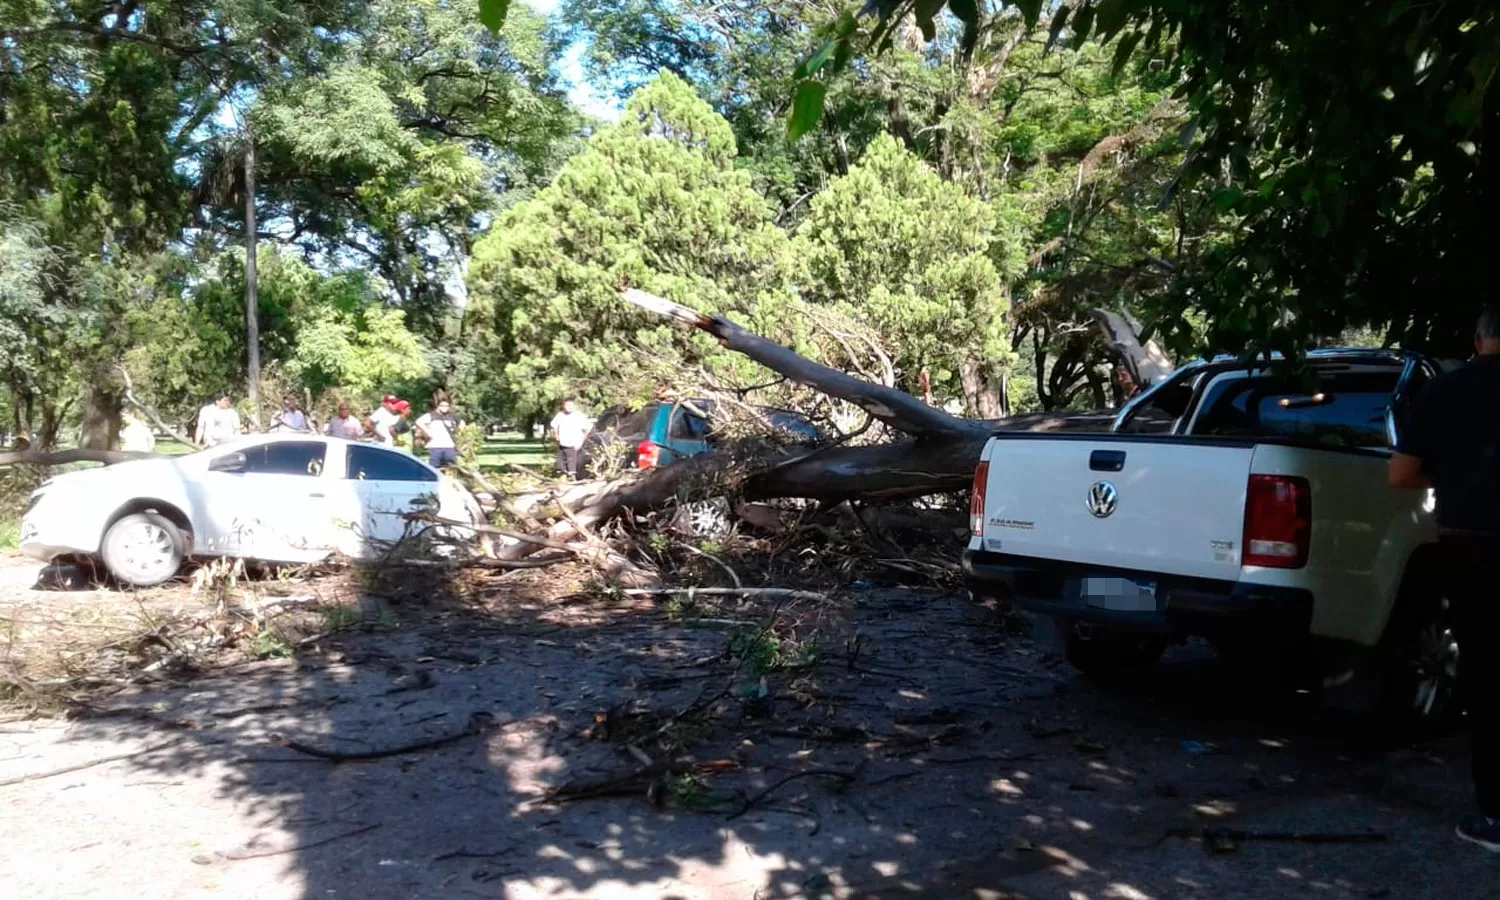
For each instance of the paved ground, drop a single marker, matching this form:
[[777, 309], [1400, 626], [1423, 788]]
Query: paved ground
[[977, 770]]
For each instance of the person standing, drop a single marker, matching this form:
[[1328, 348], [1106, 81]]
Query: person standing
[[345, 425], [569, 428], [290, 417], [1451, 443], [218, 423], [439, 428], [136, 436], [382, 420], [402, 426]]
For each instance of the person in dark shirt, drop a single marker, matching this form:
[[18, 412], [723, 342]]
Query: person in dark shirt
[[1451, 443]]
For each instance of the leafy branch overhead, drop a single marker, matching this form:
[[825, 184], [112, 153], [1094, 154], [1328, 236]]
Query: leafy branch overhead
[[1350, 176]]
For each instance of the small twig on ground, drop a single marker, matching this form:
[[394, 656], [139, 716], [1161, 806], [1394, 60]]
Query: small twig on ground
[[781, 593], [500, 532], [477, 722], [470, 854], [753, 799], [734, 576], [535, 562], [616, 785], [261, 854], [37, 776], [1213, 835]]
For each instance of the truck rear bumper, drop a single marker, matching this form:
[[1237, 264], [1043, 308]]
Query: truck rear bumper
[[1183, 606]]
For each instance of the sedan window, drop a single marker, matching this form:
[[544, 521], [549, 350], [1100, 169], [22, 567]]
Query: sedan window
[[368, 463], [286, 458]]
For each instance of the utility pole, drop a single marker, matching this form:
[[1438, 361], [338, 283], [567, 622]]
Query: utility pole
[[252, 291]]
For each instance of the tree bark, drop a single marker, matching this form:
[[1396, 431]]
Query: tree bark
[[1145, 360], [64, 457], [252, 286], [101, 416]]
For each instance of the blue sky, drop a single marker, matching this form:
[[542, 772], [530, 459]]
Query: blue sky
[[583, 94]]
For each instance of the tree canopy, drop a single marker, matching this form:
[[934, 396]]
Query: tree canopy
[[656, 201], [935, 194]]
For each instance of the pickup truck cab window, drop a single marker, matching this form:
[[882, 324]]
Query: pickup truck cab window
[[1342, 409]]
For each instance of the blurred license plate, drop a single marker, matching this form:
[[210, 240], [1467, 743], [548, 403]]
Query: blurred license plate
[[1124, 594]]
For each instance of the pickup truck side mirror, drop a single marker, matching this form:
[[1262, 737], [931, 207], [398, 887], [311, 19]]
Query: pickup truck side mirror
[[229, 462]]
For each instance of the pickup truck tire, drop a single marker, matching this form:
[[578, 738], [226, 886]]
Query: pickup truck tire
[[143, 549], [1420, 689], [1106, 653]]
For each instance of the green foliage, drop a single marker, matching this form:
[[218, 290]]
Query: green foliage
[[895, 246], [654, 202], [363, 351], [338, 619], [492, 13], [1344, 141], [269, 644]]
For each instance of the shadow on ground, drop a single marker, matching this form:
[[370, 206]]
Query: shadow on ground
[[958, 763]]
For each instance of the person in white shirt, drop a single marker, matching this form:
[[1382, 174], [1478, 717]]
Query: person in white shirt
[[291, 417], [136, 436], [439, 429], [569, 428], [383, 420], [218, 423]]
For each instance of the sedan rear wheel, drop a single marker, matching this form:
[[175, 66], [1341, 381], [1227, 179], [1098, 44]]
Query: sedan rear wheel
[[143, 549]]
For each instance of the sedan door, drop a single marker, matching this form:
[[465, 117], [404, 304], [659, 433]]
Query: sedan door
[[269, 501], [385, 486]]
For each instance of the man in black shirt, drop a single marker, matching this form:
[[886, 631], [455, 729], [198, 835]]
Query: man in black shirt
[[1451, 443]]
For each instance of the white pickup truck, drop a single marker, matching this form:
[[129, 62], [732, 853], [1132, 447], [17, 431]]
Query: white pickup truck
[[1244, 504]]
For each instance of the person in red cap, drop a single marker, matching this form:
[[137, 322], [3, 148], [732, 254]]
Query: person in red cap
[[383, 420], [402, 425]]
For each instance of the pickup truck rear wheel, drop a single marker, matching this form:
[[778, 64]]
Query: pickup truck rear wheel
[[1113, 653], [1420, 687]]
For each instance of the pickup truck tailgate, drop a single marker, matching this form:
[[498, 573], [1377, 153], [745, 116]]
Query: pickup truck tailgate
[[1160, 505]]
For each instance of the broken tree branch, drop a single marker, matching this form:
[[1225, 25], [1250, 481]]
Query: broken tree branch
[[64, 770], [235, 855], [751, 801], [64, 457], [151, 413], [896, 408], [478, 722]]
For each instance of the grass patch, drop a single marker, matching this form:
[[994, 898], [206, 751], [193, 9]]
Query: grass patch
[[10, 532], [173, 447], [498, 452]]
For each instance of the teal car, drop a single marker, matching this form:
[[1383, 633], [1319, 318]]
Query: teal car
[[659, 434]]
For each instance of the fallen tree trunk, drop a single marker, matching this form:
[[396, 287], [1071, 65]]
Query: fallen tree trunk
[[940, 457], [63, 457]]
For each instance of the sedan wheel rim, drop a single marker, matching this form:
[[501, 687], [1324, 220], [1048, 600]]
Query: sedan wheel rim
[[146, 550]]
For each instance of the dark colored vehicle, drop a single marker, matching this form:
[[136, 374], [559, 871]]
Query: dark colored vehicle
[[661, 433]]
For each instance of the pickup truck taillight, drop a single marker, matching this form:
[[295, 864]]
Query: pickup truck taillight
[[647, 455], [1278, 522], [976, 499]]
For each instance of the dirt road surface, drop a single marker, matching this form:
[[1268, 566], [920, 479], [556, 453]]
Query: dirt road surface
[[963, 765]]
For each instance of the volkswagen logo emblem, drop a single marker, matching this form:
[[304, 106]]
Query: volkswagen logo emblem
[[1102, 499]]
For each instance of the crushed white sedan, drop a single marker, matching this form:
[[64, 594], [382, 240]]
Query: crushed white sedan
[[278, 498]]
